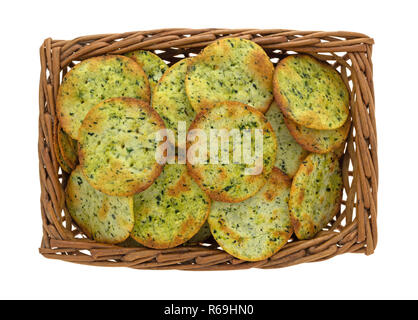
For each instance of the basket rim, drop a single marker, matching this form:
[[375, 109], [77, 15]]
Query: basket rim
[[350, 51]]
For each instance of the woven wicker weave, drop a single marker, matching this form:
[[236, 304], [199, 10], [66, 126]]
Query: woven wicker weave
[[353, 230]]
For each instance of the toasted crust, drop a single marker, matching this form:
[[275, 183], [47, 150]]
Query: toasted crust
[[94, 80], [310, 92], [68, 148], [318, 141], [101, 217], [289, 153], [257, 228], [170, 99], [153, 66], [171, 211], [118, 146], [315, 195], [230, 70], [228, 182]]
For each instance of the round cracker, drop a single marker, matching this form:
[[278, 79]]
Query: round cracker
[[64, 166], [258, 227], [118, 146], [339, 151], [230, 182], [170, 99], [315, 195], [171, 211], [318, 141], [55, 145], [68, 148], [310, 92], [153, 66], [94, 80], [202, 235], [289, 153], [101, 217], [130, 243], [231, 69]]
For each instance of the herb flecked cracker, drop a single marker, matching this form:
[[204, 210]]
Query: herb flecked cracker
[[231, 182], [310, 92], [339, 151], [230, 70], [152, 64], [315, 195], [318, 141], [289, 153], [170, 99], [68, 148], [118, 146], [258, 227], [203, 235], [171, 211], [101, 217], [94, 80], [55, 145], [130, 243]]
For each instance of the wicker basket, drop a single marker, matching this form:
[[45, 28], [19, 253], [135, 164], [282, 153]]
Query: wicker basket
[[354, 229]]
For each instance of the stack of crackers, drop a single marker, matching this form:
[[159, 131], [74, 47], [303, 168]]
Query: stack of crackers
[[112, 108]]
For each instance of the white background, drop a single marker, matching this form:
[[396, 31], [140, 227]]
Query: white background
[[390, 273]]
